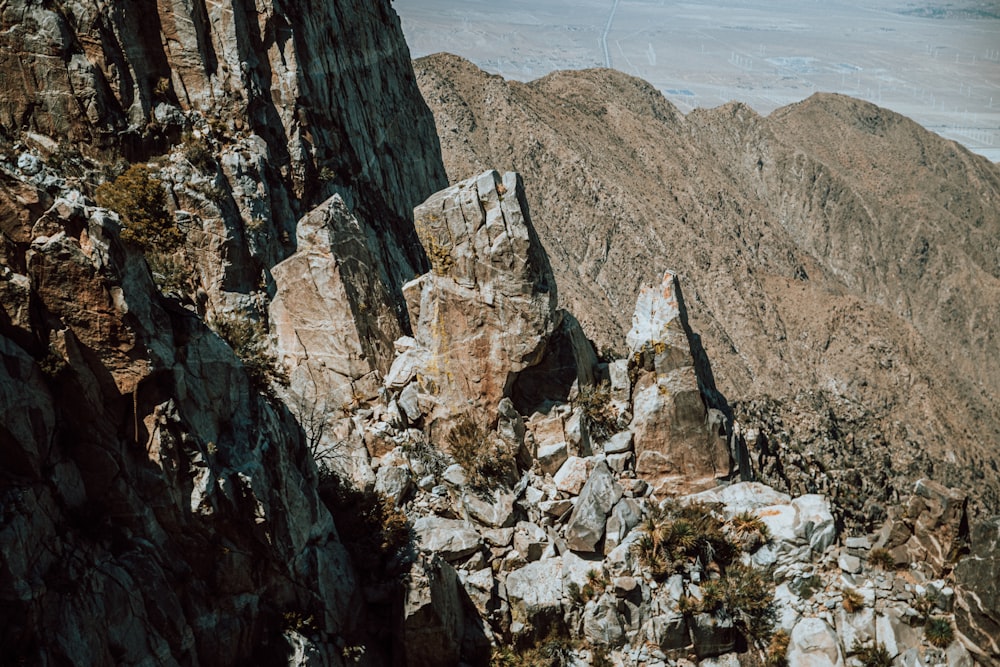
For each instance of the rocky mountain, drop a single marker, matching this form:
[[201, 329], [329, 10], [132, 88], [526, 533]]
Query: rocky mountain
[[273, 392], [839, 262]]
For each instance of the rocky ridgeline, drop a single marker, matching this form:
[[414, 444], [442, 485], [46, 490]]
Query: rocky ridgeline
[[552, 557], [287, 426]]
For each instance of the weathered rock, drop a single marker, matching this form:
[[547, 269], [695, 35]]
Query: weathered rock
[[499, 512], [433, 617], [624, 516], [449, 538], [572, 475], [394, 483], [551, 457], [601, 623], [977, 592], [585, 527], [934, 528], [331, 314], [814, 644], [619, 443], [487, 309], [529, 540], [667, 631], [676, 451], [535, 594], [814, 521]]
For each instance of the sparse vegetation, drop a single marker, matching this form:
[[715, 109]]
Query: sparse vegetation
[[749, 599], [872, 655], [881, 558], [852, 601], [749, 531], [776, 654], [939, 632], [169, 272], [678, 534], [553, 651], [140, 202], [594, 586], [601, 415], [198, 152], [375, 532], [488, 460], [248, 338]]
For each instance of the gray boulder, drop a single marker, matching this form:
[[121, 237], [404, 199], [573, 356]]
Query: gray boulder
[[449, 538], [586, 525]]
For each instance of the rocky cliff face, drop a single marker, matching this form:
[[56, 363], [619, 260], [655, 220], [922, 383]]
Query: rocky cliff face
[[297, 102], [160, 502], [835, 256]]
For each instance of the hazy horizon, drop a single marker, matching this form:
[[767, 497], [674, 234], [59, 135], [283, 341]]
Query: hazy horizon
[[939, 64]]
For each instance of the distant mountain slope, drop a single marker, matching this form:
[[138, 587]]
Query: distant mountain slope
[[841, 263]]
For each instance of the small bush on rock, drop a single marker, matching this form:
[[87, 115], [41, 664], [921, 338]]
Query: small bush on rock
[[248, 338], [939, 632], [881, 558], [488, 461], [776, 654], [749, 531], [140, 202], [872, 655], [375, 532], [601, 415], [852, 601]]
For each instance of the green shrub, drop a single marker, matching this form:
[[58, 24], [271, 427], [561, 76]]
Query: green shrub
[[198, 152], [374, 531], [170, 273], [140, 202], [749, 598], [939, 632], [872, 655], [248, 338], [749, 531], [678, 534], [601, 415], [488, 461]]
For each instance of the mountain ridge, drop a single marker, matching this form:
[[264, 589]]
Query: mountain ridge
[[766, 219]]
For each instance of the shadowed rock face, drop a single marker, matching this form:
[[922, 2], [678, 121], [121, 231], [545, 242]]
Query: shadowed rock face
[[836, 260], [154, 504]]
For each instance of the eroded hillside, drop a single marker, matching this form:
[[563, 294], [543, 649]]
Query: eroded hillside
[[840, 262]]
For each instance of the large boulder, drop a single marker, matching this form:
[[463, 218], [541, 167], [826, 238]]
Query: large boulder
[[331, 314], [535, 594], [487, 309], [449, 538], [587, 522], [977, 594], [677, 451], [814, 644]]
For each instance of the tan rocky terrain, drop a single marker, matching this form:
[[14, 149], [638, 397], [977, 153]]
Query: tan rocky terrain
[[839, 262]]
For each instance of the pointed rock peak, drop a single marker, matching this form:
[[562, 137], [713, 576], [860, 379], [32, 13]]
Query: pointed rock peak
[[478, 233], [676, 449], [486, 311], [658, 338]]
